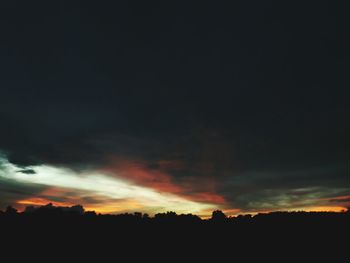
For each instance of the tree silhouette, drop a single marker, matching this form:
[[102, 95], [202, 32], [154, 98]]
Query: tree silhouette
[[11, 211], [218, 216]]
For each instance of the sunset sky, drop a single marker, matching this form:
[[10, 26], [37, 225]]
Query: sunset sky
[[156, 106]]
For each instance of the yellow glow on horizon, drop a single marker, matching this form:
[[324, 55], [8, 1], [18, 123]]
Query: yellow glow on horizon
[[122, 207], [324, 209]]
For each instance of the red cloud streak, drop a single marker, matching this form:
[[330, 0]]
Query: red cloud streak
[[162, 181]]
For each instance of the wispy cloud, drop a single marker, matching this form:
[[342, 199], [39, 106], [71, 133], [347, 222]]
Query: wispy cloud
[[114, 194]]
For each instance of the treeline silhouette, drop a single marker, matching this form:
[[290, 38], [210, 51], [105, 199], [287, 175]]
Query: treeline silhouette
[[73, 233], [78, 212]]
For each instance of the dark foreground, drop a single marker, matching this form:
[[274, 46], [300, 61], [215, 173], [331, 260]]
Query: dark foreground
[[167, 237]]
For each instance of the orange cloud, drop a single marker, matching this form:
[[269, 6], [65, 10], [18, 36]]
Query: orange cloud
[[206, 197], [149, 178], [339, 199], [162, 181], [38, 201]]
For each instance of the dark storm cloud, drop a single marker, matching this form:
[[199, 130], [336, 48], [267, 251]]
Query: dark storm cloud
[[12, 191], [27, 171], [213, 91], [274, 189]]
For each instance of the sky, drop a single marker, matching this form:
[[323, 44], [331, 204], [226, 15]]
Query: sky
[[157, 106]]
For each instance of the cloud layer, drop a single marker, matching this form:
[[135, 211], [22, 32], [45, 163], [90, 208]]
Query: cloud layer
[[243, 107], [95, 190]]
